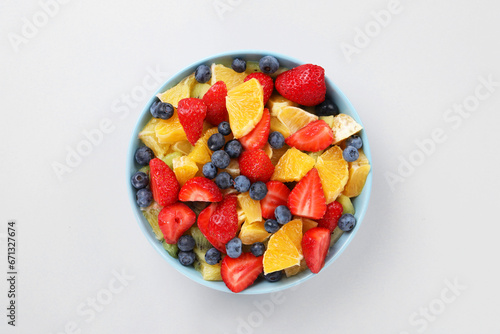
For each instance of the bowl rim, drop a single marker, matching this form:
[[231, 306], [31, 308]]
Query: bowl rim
[[286, 283]]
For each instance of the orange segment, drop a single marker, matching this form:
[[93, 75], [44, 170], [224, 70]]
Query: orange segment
[[293, 229], [281, 253], [250, 207], [253, 232], [180, 91], [233, 168], [148, 137], [308, 224], [295, 118], [276, 102], [333, 172], [296, 269], [226, 74], [358, 172], [183, 147], [170, 131], [184, 169], [292, 166], [201, 153], [277, 125], [245, 106], [278, 153]]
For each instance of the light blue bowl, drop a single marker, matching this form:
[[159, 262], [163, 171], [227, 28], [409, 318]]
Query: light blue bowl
[[261, 286]]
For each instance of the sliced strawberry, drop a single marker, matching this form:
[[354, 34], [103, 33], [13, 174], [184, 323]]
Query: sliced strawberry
[[191, 113], [257, 138], [240, 273], [164, 184], [200, 189], [315, 244], [304, 84], [174, 220], [307, 198], [215, 100], [256, 165], [265, 81], [314, 137], [219, 222], [330, 219], [277, 194]]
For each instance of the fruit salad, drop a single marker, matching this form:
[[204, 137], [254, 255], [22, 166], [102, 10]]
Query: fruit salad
[[248, 171]]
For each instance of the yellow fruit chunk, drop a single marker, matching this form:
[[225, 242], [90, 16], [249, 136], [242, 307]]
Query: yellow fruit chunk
[[228, 75], [148, 137], [343, 127], [170, 131], [333, 173], [296, 269], [269, 150], [208, 272], [278, 153], [358, 172], [292, 166], [276, 102], [315, 155], [250, 207], [308, 224], [253, 232], [199, 89], [233, 168], [277, 125], [184, 169], [181, 91], [328, 120], [245, 106], [201, 153], [183, 147], [239, 211], [295, 118], [293, 229], [281, 253]]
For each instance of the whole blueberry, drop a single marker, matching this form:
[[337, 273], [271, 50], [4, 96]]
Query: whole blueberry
[[350, 154], [274, 276], [139, 180], [327, 108], [186, 258], [224, 180], [209, 170], [144, 197], [239, 65], [258, 249], [212, 256], [233, 148], [283, 214], [354, 141], [220, 159], [258, 190], [241, 183], [233, 248], [186, 243], [216, 142], [143, 155], [276, 140], [271, 226], [202, 73], [269, 64], [346, 222], [161, 110], [224, 128]]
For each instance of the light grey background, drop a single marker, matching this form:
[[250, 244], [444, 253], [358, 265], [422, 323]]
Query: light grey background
[[75, 233]]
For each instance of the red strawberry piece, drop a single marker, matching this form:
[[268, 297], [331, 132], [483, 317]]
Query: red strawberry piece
[[315, 244], [174, 220], [240, 273], [191, 113], [265, 81], [256, 165], [257, 138], [164, 184], [215, 100], [313, 137], [200, 189], [307, 198], [277, 194], [304, 84], [219, 222], [330, 219]]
